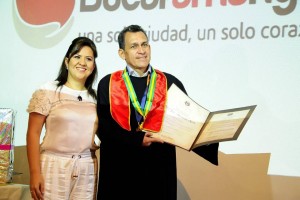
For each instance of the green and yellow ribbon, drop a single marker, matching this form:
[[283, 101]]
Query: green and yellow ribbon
[[134, 100]]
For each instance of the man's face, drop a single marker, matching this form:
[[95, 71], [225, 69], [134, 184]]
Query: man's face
[[137, 51]]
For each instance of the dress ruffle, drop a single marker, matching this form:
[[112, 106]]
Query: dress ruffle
[[39, 102]]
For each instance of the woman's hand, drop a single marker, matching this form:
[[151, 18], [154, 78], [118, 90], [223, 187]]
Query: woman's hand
[[37, 186]]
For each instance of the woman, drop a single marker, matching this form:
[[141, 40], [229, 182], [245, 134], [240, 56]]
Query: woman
[[64, 165]]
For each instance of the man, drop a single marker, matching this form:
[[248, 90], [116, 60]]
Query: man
[[133, 165]]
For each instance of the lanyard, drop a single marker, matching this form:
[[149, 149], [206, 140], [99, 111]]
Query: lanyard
[[147, 100]]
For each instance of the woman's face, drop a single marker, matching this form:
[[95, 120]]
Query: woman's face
[[80, 65]]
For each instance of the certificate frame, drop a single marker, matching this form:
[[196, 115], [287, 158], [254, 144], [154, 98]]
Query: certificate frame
[[233, 131], [188, 125]]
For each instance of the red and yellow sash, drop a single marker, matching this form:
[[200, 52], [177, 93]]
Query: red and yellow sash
[[120, 102]]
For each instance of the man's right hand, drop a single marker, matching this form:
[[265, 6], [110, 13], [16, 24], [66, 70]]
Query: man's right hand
[[148, 139]]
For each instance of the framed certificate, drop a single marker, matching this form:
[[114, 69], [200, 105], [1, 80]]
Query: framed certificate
[[188, 125]]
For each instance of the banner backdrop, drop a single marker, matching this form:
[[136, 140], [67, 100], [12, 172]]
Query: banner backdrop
[[227, 53]]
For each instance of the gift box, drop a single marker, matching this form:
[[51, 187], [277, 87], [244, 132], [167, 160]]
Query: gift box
[[7, 119]]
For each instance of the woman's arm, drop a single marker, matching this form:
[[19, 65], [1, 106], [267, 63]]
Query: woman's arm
[[35, 124]]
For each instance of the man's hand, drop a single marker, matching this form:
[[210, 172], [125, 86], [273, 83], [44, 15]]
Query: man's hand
[[148, 139]]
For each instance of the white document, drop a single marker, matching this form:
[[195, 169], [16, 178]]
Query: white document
[[188, 125]]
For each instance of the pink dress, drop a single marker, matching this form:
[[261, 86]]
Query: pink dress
[[68, 161]]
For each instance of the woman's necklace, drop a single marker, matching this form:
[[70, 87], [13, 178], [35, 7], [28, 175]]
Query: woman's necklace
[[79, 97]]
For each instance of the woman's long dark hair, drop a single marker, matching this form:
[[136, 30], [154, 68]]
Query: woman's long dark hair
[[75, 47]]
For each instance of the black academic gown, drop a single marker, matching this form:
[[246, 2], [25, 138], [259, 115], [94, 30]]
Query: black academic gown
[[128, 170]]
